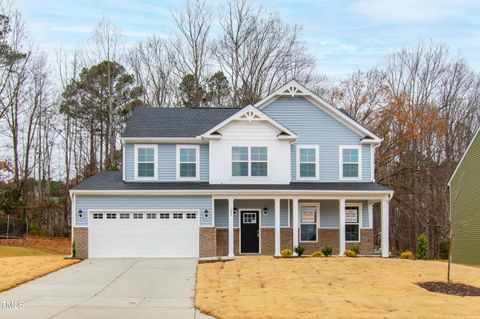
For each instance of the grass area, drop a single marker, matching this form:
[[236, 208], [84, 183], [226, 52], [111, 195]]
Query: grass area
[[18, 270], [336, 287], [12, 251]]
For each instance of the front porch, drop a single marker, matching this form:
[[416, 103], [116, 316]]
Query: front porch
[[264, 225]]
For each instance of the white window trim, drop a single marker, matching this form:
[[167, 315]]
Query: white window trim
[[340, 162], [249, 162], [155, 162], [317, 161], [360, 221], [317, 221], [197, 164]]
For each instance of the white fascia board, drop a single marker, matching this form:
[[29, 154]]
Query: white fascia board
[[463, 156], [173, 140], [320, 103], [236, 116], [237, 192]]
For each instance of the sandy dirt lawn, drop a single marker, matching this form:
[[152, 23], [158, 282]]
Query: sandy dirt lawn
[[335, 287], [19, 265]]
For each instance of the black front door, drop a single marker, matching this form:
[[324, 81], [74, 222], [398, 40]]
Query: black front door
[[250, 232]]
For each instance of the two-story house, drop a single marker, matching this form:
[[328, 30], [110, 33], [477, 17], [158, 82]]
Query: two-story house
[[199, 182]]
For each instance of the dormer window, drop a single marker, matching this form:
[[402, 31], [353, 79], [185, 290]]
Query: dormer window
[[146, 162], [249, 161], [188, 166]]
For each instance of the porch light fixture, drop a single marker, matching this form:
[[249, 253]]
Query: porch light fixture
[[80, 213], [206, 213], [265, 211], [235, 210]]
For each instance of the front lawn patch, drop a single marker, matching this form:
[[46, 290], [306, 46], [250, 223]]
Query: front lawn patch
[[18, 270], [12, 251], [337, 287]]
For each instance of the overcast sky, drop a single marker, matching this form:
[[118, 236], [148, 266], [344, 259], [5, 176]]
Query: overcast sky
[[342, 35]]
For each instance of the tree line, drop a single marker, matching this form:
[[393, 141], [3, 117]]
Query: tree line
[[61, 121]]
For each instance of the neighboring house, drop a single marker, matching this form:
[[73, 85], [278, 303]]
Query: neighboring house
[[199, 182], [464, 187]]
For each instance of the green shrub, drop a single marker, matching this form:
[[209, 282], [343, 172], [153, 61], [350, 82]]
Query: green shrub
[[407, 254], [299, 250], [286, 253], [422, 247], [327, 251], [444, 248], [356, 249], [350, 253], [317, 254]]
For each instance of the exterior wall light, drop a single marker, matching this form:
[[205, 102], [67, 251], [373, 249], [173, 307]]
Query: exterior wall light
[[80, 213], [206, 213], [235, 210], [265, 211]]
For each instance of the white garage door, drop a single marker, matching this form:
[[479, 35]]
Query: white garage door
[[143, 234]]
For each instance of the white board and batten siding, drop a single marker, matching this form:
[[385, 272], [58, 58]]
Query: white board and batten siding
[[254, 133]]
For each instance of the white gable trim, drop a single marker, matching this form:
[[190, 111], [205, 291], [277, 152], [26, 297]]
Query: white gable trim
[[463, 156], [293, 88], [250, 113]]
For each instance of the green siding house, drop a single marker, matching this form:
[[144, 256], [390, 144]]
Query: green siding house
[[464, 187]]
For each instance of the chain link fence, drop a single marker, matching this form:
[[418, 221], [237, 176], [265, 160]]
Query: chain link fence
[[12, 227]]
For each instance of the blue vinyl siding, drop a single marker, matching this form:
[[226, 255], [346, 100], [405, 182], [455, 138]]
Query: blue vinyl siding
[[167, 165], [200, 203], [221, 212], [314, 126]]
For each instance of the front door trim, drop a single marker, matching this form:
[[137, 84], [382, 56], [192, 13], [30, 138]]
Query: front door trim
[[240, 213]]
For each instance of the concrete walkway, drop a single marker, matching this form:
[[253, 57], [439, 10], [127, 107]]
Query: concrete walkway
[[109, 288]]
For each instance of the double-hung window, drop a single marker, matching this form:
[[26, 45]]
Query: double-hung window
[[145, 161], [352, 223], [188, 162], [350, 168], [309, 214], [307, 162], [250, 161]]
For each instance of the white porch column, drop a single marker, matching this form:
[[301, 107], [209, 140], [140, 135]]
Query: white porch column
[[385, 228], [341, 225], [277, 226], [230, 227], [295, 223]]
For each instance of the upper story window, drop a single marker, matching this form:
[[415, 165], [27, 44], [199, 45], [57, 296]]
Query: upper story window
[[307, 162], [188, 166], [249, 161], [350, 168], [146, 161]]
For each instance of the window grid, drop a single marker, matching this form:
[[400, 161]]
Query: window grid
[[188, 162], [137, 216], [164, 215], [146, 162], [308, 162], [151, 216], [308, 224], [111, 216], [352, 229], [124, 216], [97, 216], [350, 162], [250, 161], [191, 215], [177, 215]]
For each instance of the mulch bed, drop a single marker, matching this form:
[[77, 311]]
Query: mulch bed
[[450, 288]]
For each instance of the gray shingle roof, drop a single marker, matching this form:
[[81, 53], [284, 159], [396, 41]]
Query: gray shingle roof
[[174, 122], [112, 180]]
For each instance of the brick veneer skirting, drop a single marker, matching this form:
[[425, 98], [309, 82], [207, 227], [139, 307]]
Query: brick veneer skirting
[[208, 242], [366, 242], [80, 236], [326, 237]]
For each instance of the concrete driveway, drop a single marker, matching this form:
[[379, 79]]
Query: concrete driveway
[[109, 288]]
